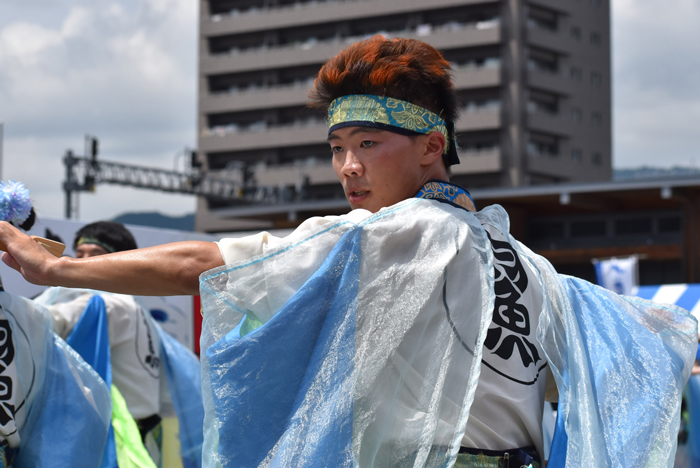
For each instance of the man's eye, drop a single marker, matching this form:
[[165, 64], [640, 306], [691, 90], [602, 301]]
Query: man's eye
[[366, 144], [336, 149]]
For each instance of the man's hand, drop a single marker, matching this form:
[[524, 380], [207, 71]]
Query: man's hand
[[23, 254]]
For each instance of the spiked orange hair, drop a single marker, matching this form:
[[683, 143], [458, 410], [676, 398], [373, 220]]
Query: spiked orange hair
[[405, 69]]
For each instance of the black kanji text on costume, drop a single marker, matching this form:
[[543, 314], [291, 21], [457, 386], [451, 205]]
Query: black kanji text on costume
[[512, 319], [7, 355], [151, 359]]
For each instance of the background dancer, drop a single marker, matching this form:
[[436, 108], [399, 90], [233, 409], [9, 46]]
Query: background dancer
[[134, 342], [135, 349]]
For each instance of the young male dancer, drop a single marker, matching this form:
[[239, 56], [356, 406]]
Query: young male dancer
[[413, 331]]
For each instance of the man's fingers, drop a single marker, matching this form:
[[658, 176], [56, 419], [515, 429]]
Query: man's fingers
[[11, 235], [10, 261]]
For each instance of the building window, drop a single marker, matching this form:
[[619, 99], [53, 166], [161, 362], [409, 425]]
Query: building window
[[576, 115], [576, 33], [576, 73], [543, 60], [547, 230], [597, 119], [596, 79], [543, 145], [669, 225], [592, 228], [633, 226], [484, 143], [595, 38], [596, 2], [597, 159], [543, 102], [542, 18], [576, 155]]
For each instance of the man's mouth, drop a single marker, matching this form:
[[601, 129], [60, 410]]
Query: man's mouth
[[356, 196]]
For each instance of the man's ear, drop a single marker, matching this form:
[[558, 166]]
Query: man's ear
[[434, 147]]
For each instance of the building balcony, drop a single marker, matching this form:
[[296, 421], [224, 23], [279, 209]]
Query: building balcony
[[267, 57], [317, 52], [551, 40], [292, 174], [262, 136], [297, 94], [555, 5], [317, 12], [259, 98], [555, 124], [477, 77], [552, 166], [479, 119], [548, 81], [478, 162]]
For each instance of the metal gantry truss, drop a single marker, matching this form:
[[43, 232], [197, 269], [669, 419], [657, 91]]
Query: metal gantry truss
[[84, 173]]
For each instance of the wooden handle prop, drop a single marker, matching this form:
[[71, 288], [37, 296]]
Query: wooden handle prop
[[55, 248]]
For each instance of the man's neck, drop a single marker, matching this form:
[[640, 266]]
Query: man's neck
[[436, 172]]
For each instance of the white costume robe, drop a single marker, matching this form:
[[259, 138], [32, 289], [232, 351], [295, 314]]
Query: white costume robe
[[361, 342]]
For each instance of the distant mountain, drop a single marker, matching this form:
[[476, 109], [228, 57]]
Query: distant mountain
[[646, 172], [157, 220]]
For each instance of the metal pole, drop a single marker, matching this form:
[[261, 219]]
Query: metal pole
[[68, 184]]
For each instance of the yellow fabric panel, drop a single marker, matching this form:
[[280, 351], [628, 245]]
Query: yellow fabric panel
[[130, 450]]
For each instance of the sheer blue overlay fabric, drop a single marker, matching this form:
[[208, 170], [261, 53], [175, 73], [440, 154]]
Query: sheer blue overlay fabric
[[181, 390], [90, 339], [67, 405], [620, 364], [184, 376], [361, 344], [692, 394], [358, 360]]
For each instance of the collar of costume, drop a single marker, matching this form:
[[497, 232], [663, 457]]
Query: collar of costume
[[393, 115], [96, 241], [447, 192]]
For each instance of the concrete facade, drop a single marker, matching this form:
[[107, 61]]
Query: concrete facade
[[533, 77]]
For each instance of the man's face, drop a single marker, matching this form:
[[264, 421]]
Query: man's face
[[89, 250], [377, 168]]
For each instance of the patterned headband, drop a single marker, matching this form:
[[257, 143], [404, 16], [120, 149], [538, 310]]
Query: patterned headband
[[95, 241], [388, 114]]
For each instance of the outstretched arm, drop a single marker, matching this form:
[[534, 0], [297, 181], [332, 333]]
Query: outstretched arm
[[164, 270]]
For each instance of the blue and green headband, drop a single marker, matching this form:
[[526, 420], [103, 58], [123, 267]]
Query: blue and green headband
[[95, 241], [393, 115]]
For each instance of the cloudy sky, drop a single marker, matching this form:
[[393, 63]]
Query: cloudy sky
[[122, 70], [126, 71]]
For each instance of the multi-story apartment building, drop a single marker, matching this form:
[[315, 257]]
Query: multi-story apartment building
[[533, 77]]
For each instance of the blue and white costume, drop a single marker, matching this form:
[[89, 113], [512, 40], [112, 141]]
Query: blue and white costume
[[359, 341], [54, 409], [139, 349]]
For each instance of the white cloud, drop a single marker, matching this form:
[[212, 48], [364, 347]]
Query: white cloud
[[25, 42], [124, 71], [656, 71]]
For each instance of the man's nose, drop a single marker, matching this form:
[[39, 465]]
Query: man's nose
[[352, 166]]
